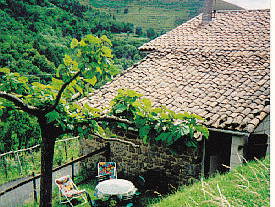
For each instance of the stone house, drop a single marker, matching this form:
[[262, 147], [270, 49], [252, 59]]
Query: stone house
[[216, 66]]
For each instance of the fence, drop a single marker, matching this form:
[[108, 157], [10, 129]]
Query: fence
[[15, 164], [30, 185]]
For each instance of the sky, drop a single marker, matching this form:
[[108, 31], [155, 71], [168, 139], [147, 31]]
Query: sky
[[251, 4]]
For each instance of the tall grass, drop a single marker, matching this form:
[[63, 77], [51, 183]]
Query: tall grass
[[247, 185]]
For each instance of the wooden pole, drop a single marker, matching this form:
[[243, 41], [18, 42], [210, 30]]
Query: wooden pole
[[34, 188], [108, 151], [31, 152], [66, 153], [19, 162], [72, 169]]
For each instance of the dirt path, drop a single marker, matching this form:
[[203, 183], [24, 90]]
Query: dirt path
[[24, 194]]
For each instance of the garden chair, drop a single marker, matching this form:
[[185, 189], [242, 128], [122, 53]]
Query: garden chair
[[106, 170], [68, 190]]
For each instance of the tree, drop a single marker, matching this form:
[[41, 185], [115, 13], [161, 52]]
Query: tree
[[55, 105], [151, 33], [139, 31]]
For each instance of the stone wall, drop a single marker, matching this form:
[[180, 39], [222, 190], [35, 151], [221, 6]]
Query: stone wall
[[264, 128], [178, 168]]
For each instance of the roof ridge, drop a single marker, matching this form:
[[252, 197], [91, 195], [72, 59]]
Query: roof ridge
[[241, 10]]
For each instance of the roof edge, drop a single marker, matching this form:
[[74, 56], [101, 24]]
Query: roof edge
[[239, 133], [240, 10]]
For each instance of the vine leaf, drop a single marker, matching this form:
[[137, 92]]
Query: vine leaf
[[52, 116], [120, 108], [144, 131]]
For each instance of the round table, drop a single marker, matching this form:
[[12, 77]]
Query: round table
[[115, 187]]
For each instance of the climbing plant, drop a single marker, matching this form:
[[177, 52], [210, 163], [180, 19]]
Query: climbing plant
[[157, 123]]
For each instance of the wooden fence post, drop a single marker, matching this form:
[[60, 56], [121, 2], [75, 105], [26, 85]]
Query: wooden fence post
[[108, 151], [19, 162], [72, 169], [31, 152], [34, 188], [66, 153]]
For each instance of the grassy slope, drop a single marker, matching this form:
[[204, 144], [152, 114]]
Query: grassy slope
[[244, 186], [162, 15]]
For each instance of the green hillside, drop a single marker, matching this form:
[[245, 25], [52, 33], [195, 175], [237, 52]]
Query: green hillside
[[245, 186], [35, 34], [161, 15]]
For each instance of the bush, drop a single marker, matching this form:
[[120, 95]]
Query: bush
[[151, 33], [139, 31]]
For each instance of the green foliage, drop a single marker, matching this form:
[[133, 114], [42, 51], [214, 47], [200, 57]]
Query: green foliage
[[125, 49], [17, 131], [157, 123], [46, 28], [151, 33], [139, 31]]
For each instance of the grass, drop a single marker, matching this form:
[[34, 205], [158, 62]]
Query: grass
[[31, 163], [161, 15], [247, 185]]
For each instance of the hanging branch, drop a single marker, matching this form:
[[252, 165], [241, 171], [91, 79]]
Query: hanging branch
[[19, 103], [116, 140], [113, 119]]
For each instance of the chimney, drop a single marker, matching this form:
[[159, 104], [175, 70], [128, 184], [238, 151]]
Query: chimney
[[207, 11]]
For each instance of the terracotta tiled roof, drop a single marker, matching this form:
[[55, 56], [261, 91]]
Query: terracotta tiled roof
[[230, 30], [229, 87]]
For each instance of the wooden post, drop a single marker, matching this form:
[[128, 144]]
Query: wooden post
[[34, 188], [72, 169], [31, 152], [108, 151], [66, 153], [19, 162]]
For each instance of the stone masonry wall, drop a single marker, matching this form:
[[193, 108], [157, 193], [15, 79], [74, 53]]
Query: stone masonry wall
[[178, 168], [264, 128]]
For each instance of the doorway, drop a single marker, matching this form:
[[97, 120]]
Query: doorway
[[256, 146], [217, 153]]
